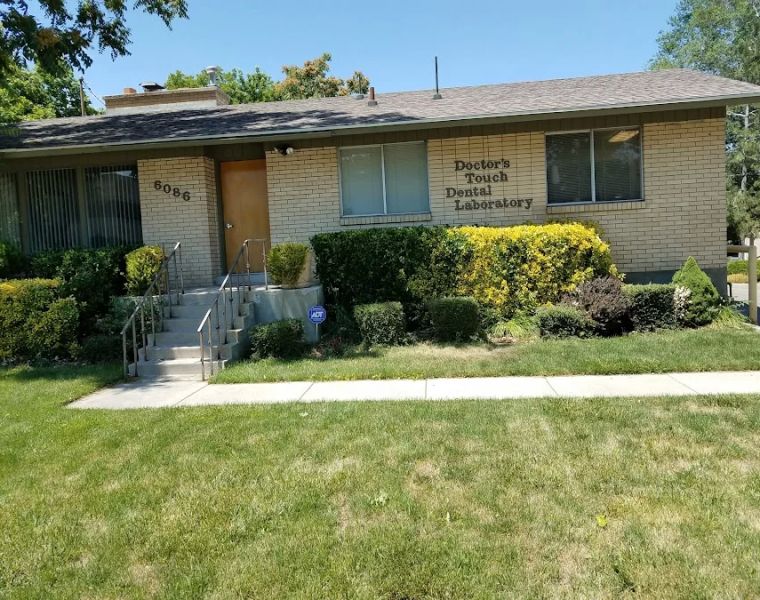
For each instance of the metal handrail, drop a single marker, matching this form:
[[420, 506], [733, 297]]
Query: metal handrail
[[225, 293], [154, 294]]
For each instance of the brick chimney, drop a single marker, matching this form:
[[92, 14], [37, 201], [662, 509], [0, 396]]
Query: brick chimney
[[155, 98]]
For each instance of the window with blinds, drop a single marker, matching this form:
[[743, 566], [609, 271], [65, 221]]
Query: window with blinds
[[113, 206], [390, 179], [10, 230], [602, 165], [53, 210], [91, 207]]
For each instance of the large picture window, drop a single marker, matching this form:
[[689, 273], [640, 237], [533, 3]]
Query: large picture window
[[80, 208], [602, 165], [384, 180]]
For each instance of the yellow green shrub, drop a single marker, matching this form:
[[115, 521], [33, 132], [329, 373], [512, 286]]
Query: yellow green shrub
[[516, 268]]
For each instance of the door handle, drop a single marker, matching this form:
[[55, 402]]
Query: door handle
[[228, 225]]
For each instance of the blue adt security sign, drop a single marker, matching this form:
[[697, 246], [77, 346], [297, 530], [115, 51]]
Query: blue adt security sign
[[317, 314]]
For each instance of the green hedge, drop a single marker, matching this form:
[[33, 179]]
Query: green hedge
[[381, 323], [506, 269], [35, 322], [564, 321], [91, 276], [374, 265], [280, 339], [455, 319], [651, 306]]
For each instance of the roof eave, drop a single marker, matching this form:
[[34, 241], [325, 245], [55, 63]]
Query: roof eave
[[418, 124]]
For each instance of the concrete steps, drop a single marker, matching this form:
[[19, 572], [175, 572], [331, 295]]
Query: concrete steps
[[175, 353]]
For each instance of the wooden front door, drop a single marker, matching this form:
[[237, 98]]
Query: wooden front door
[[246, 210]]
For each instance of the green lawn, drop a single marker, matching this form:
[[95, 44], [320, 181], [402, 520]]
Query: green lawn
[[655, 498], [714, 348]]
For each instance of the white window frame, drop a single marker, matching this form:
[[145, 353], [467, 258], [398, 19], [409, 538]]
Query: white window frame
[[592, 157], [385, 212]]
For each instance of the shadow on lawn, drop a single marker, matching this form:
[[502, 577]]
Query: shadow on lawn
[[103, 374]]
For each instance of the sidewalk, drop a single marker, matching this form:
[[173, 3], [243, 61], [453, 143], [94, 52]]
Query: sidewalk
[[159, 394]]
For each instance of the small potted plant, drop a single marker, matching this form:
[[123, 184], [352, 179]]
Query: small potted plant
[[290, 265]]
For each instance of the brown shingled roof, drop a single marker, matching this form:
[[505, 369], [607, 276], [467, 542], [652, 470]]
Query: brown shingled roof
[[668, 89]]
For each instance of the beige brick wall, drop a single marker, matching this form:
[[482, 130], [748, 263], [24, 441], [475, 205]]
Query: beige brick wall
[[684, 188], [167, 219]]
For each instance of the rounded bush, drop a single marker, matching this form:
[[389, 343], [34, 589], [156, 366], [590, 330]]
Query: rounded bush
[[454, 319], [286, 262], [651, 306], [143, 265], [564, 321], [280, 339], [604, 301], [381, 323]]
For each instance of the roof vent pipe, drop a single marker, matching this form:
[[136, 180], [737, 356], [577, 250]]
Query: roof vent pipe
[[372, 101], [212, 71], [437, 95]]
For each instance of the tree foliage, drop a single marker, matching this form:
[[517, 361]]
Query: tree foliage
[[722, 37], [35, 94], [311, 80], [240, 87], [59, 36]]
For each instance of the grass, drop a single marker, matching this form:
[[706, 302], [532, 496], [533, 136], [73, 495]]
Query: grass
[[738, 271], [719, 347], [538, 498]]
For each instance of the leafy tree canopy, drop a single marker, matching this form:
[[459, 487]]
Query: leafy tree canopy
[[312, 80], [723, 37], [36, 94], [240, 87], [59, 35]]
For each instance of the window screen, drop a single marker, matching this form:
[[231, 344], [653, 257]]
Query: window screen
[[380, 180], [361, 176], [568, 167], [611, 159], [406, 182], [617, 165]]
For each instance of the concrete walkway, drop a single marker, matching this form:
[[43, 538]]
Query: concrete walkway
[[159, 394]]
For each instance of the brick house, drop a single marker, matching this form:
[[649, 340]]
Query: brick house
[[642, 155]]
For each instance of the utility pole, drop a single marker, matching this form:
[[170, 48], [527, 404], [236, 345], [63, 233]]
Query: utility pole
[[81, 95]]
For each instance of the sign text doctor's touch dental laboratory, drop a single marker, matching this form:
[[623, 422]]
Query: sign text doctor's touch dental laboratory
[[475, 186]]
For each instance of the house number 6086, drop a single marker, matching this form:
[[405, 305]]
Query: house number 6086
[[171, 191]]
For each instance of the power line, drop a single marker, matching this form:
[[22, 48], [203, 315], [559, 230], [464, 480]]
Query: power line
[[93, 94]]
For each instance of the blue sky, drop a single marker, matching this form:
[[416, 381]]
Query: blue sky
[[394, 41]]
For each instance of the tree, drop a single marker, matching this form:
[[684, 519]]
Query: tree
[[358, 84], [312, 80], [240, 87], [723, 37], [36, 94], [62, 35]]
